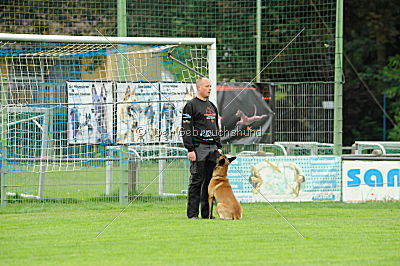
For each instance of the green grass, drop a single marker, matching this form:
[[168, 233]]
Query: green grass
[[157, 233], [91, 182]]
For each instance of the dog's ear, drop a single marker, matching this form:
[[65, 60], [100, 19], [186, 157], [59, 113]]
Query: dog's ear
[[221, 162], [94, 92], [231, 159], [103, 91], [127, 91]]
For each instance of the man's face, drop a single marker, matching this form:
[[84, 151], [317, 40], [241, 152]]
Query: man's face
[[204, 89]]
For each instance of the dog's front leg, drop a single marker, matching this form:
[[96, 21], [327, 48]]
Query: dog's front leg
[[210, 204]]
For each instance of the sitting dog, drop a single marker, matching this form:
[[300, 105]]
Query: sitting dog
[[128, 115], [220, 189], [99, 110]]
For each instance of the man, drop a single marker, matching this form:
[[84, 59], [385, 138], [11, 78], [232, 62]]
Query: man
[[75, 117], [200, 135], [168, 113]]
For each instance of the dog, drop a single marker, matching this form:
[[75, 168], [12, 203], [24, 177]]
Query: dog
[[255, 179], [246, 120], [88, 123], [219, 188], [99, 111], [276, 178], [128, 115], [189, 93], [299, 178]]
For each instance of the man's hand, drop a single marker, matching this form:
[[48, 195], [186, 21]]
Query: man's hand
[[192, 156]]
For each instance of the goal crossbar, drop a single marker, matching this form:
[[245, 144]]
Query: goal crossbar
[[105, 40], [211, 44]]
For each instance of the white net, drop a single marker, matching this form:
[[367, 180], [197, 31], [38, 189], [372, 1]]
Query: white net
[[65, 104]]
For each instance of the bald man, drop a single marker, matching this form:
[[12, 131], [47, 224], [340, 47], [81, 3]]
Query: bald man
[[200, 133]]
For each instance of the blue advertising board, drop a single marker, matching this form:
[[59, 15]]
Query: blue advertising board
[[286, 178]]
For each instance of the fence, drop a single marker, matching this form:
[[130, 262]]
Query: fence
[[295, 46]]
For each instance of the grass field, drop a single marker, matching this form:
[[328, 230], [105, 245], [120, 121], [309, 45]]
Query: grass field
[[91, 182], [158, 233]]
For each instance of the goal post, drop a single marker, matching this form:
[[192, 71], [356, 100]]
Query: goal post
[[93, 93], [3, 149]]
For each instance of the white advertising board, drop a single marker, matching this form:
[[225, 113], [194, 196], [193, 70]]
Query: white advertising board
[[90, 112], [137, 112], [370, 180], [173, 98], [285, 178]]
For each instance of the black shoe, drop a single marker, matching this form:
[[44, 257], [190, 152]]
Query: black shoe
[[194, 218]]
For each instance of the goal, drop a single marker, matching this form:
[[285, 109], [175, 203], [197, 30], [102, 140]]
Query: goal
[[86, 104]]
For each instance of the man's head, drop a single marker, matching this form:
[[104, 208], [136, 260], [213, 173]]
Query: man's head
[[203, 88]]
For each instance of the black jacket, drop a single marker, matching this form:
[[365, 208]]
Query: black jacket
[[200, 124]]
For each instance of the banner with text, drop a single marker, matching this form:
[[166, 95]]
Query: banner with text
[[90, 112], [371, 180], [173, 97], [138, 112]]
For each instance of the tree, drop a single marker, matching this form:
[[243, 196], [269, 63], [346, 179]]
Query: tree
[[391, 74], [370, 36]]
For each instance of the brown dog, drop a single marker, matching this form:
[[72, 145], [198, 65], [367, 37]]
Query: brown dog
[[219, 188]]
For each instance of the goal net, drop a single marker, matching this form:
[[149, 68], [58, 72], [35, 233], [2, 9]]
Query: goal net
[[71, 103]]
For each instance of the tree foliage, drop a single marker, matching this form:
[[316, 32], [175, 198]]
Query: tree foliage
[[371, 35], [391, 74], [68, 17]]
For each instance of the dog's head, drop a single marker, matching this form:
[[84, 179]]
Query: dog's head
[[300, 178], [221, 166], [255, 177], [94, 92], [239, 113], [127, 94], [222, 160]]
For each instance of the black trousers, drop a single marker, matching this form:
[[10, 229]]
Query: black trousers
[[200, 176]]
